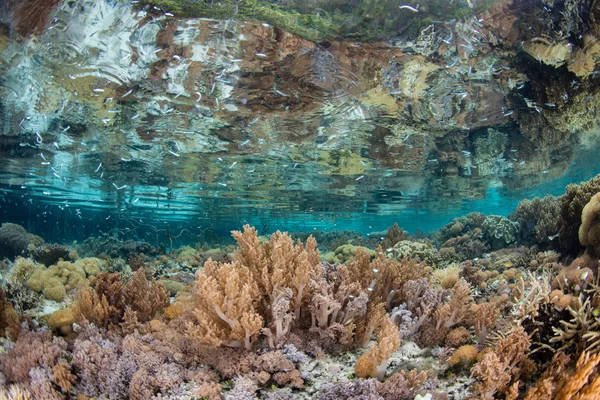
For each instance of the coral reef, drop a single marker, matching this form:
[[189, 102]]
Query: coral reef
[[274, 321], [589, 231], [55, 281]]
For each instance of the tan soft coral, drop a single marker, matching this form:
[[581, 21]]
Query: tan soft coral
[[503, 364], [278, 264], [374, 362], [226, 305], [559, 382]]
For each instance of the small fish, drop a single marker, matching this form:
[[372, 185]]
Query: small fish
[[410, 8]]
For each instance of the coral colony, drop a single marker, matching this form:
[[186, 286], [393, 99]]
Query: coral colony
[[480, 309]]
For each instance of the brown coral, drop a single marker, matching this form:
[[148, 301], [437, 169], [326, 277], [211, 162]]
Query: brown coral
[[589, 231], [571, 208]]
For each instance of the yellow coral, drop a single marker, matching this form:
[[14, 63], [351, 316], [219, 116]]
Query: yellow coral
[[54, 281], [464, 356]]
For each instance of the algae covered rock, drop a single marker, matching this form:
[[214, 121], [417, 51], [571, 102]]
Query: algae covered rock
[[49, 254], [14, 240]]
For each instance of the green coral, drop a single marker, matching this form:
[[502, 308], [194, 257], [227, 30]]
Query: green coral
[[344, 253], [500, 231], [419, 251]]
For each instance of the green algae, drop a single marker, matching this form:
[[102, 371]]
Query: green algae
[[320, 20]]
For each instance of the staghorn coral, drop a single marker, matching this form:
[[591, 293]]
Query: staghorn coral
[[582, 330]]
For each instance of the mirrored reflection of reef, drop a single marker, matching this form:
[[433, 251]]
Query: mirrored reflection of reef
[[141, 99]]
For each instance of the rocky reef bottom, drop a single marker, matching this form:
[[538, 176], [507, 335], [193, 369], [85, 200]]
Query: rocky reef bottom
[[488, 307]]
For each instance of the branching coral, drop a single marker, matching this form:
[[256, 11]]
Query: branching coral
[[31, 363], [227, 305], [145, 298], [456, 309], [107, 305], [582, 330], [559, 382], [278, 264], [506, 363]]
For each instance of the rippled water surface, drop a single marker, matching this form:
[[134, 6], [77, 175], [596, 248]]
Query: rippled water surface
[[174, 118]]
